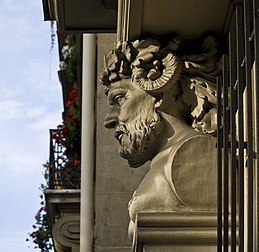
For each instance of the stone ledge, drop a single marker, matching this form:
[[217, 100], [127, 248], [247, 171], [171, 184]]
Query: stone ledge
[[175, 231]]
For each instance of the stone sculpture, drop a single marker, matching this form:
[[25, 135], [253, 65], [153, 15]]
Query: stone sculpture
[[162, 107]]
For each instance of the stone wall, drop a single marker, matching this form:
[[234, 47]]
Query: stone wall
[[115, 181]]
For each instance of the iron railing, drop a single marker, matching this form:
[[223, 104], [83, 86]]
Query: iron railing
[[63, 174], [238, 121]]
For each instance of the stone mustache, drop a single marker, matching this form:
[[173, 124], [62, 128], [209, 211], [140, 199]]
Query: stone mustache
[[162, 107]]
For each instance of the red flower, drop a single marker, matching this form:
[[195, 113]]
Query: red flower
[[54, 136], [72, 94], [69, 104], [65, 129], [76, 99], [76, 162]]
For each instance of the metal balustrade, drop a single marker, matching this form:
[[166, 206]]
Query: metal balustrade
[[238, 117], [63, 174]]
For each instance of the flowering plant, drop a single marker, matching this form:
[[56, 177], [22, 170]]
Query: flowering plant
[[41, 235], [68, 134]]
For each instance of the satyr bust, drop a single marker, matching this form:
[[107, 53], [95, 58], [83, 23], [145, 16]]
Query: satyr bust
[[162, 107]]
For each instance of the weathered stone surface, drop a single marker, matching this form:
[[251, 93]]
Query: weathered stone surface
[[161, 105], [114, 181], [63, 208], [66, 233], [112, 219]]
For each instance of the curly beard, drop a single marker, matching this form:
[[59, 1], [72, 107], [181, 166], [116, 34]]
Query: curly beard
[[138, 136]]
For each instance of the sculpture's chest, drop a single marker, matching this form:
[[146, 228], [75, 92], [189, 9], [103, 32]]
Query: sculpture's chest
[[154, 194], [182, 178]]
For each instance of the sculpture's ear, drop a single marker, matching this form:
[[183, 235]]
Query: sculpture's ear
[[158, 103]]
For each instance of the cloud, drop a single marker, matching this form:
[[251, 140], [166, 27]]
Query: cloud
[[18, 24], [22, 153], [25, 139], [35, 117], [25, 136], [11, 110], [17, 240], [29, 104], [36, 76], [8, 91], [21, 162], [46, 121]]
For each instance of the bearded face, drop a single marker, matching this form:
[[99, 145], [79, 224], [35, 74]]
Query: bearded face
[[136, 123], [137, 137]]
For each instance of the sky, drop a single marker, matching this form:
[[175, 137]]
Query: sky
[[30, 104]]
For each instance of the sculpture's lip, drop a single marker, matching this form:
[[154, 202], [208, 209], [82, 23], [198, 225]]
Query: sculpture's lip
[[118, 135]]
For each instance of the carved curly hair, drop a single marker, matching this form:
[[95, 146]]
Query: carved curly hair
[[159, 66]]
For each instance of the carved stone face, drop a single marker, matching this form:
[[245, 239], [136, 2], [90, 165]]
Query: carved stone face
[[132, 115]]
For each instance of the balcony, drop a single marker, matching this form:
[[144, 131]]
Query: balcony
[[63, 197], [63, 173], [78, 16]]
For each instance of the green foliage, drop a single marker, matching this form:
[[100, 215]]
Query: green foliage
[[71, 68], [41, 234], [69, 62]]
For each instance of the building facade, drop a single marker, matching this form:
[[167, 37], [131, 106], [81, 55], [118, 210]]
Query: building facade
[[100, 205]]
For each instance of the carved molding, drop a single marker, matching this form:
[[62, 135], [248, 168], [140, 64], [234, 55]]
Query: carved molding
[[175, 229], [66, 232]]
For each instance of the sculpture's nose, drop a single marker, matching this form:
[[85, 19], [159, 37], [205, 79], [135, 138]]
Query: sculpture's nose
[[111, 120]]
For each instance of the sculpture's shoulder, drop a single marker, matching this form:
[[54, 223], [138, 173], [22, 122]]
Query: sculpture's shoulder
[[191, 170], [181, 177]]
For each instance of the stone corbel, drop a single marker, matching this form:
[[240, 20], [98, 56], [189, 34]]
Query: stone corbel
[[66, 233], [63, 208]]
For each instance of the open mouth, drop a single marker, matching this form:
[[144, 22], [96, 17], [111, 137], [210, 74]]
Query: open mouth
[[118, 135]]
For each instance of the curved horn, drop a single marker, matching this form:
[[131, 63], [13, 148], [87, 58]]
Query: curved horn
[[154, 81]]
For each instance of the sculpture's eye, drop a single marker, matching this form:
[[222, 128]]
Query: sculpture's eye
[[119, 99], [117, 96]]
